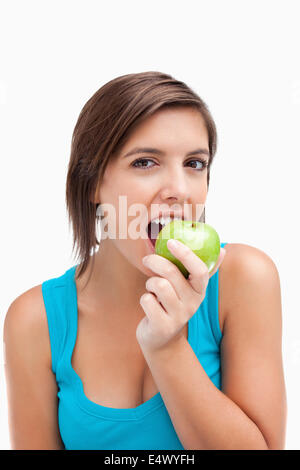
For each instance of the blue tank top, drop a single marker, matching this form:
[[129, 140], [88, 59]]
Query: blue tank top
[[84, 424]]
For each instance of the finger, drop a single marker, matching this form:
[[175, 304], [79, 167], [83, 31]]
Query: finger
[[166, 269], [199, 274], [154, 312], [165, 293]]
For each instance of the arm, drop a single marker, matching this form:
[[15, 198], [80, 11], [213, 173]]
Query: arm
[[250, 411], [30, 382]]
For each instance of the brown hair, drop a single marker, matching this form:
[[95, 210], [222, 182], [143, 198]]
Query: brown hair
[[103, 127]]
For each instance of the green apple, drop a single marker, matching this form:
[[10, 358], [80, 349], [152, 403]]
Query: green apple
[[201, 238]]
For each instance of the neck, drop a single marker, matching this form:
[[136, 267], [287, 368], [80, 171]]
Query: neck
[[113, 282]]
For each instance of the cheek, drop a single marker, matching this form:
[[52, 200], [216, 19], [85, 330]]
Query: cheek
[[133, 251]]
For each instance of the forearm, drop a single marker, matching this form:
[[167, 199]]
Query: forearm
[[203, 416]]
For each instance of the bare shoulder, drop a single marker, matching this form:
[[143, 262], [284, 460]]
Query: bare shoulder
[[26, 324], [245, 273], [251, 355], [30, 382], [241, 257], [27, 309]]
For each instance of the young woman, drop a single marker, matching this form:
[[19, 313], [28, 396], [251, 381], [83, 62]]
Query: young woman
[[120, 352]]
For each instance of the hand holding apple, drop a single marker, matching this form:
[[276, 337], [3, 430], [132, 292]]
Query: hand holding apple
[[172, 299], [201, 238]]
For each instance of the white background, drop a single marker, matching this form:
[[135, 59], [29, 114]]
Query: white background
[[241, 57]]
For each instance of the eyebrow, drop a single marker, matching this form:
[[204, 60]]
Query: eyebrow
[[201, 151]]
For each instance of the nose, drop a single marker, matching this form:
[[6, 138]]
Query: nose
[[175, 185]]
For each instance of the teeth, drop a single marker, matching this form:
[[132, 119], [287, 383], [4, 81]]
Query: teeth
[[165, 220]]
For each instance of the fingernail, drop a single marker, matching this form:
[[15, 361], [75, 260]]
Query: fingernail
[[173, 244]]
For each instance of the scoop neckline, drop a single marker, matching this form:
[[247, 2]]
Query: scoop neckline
[[91, 407]]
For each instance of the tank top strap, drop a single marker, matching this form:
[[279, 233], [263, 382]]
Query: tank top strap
[[212, 304], [56, 294]]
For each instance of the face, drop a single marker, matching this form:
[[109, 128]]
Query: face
[[167, 178]]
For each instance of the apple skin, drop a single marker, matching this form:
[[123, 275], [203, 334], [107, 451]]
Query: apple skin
[[200, 237]]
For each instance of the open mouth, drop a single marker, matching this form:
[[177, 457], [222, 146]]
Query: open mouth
[[161, 220], [153, 230]]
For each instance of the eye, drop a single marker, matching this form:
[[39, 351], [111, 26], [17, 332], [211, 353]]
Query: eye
[[204, 164], [136, 163], [140, 160]]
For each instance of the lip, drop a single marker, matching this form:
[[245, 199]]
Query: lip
[[150, 245], [168, 214], [181, 215]]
